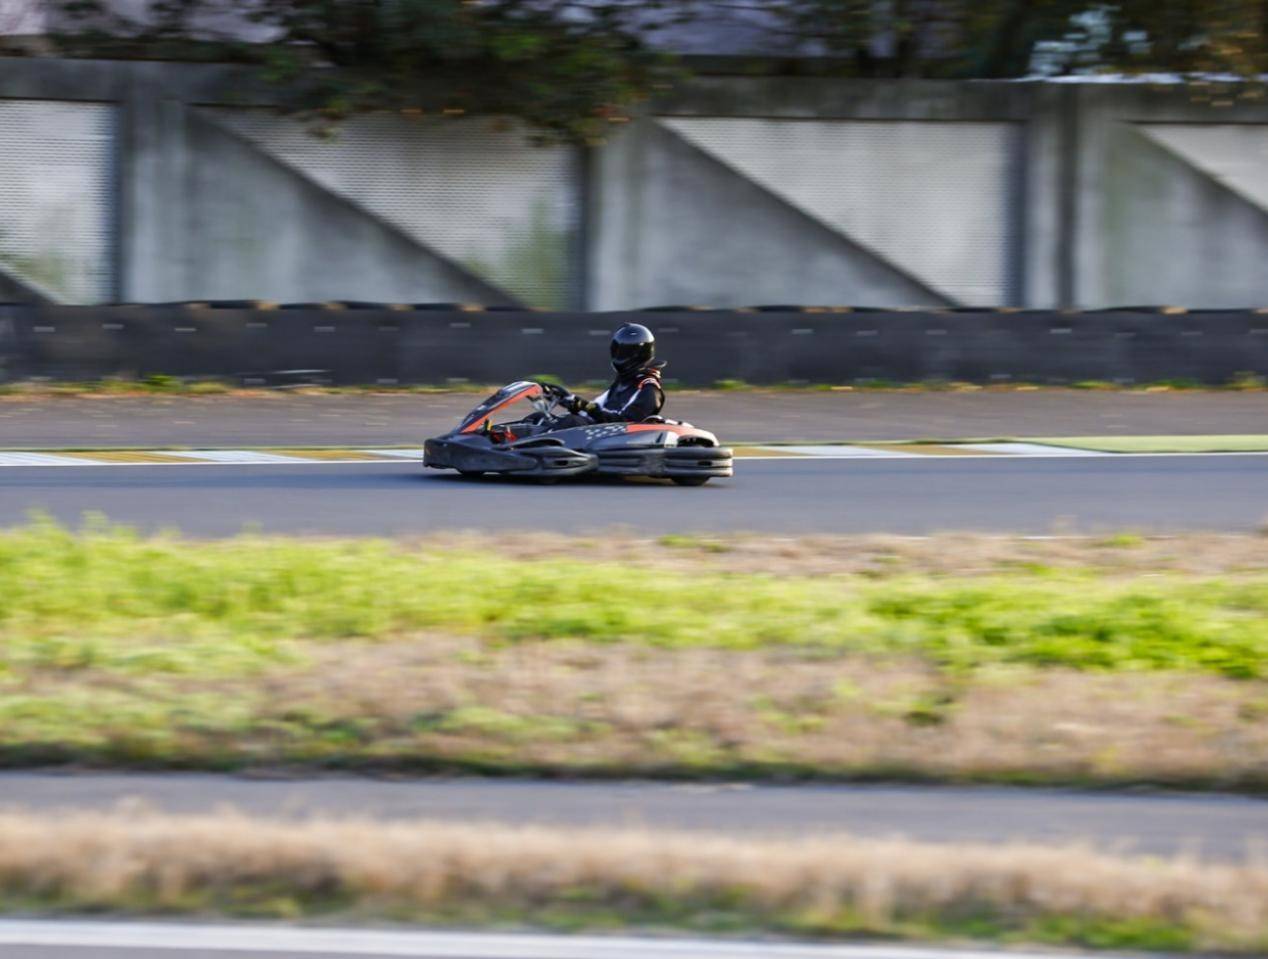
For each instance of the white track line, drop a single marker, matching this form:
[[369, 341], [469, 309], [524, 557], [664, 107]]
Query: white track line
[[841, 451], [236, 457], [1030, 449], [43, 459], [439, 945], [395, 454], [998, 458]]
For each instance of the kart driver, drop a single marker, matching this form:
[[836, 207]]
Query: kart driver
[[636, 393]]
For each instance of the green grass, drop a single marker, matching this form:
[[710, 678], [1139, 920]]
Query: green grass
[[106, 598], [1252, 443], [120, 649]]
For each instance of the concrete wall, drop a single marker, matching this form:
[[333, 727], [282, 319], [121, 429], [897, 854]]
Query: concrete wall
[[435, 346], [810, 191], [727, 192], [653, 183], [56, 196], [1171, 198], [199, 208], [247, 223]]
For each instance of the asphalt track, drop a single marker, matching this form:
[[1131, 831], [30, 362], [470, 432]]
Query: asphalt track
[[1212, 827], [1226, 492]]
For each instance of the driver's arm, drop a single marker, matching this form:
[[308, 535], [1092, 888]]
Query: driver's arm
[[647, 401]]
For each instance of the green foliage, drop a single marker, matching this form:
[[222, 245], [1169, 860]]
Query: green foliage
[[1143, 933], [1063, 620], [108, 599], [1099, 385], [876, 383], [695, 543], [1248, 381], [1011, 38], [1123, 541], [569, 69]]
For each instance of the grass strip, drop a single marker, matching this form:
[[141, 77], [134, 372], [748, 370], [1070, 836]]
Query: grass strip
[[443, 705], [432, 703], [108, 598], [1106, 661], [148, 863]]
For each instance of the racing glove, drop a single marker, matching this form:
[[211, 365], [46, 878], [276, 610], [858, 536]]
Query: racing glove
[[577, 404]]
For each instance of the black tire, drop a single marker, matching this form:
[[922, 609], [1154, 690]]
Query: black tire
[[690, 480], [470, 474]]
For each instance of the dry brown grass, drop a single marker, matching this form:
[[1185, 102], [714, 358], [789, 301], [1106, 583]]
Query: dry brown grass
[[147, 862], [437, 702], [612, 707], [958, 554]]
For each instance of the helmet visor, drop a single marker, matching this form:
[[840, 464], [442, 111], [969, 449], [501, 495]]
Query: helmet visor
[[624, 354]]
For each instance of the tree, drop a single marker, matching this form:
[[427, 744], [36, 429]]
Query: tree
[[1014, 38], [570, 68]]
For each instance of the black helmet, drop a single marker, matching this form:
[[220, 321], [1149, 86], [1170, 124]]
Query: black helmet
[[633, 346]]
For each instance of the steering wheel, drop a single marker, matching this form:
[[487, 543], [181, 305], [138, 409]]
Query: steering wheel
[[552, 395]]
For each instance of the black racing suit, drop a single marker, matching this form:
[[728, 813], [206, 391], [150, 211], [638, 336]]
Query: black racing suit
[[631, 398]]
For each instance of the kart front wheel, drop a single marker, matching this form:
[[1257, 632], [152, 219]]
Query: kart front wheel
[[470, 474], [690, 480]]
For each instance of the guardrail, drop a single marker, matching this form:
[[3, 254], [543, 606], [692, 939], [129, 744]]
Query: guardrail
[[369, 343]]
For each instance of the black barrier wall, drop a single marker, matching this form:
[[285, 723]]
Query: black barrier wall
[[436, 345]]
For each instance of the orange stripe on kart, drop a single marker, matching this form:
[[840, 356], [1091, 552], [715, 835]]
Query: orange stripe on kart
[[532, 393], [666, 427]]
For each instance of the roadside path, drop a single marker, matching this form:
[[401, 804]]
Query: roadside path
[[772, 416], [1212, 827]]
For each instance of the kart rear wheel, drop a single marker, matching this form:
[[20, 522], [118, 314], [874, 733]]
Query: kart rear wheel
[[690, 480], [470, 474]]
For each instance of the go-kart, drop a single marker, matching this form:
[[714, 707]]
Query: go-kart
[[547, 442]]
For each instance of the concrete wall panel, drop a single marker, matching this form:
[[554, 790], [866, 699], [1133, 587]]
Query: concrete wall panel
[[474, 189], [244, 226], [1234, 154], [1169, 228], [729, 191], [677, 226], [930, 197], [56, 197]]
